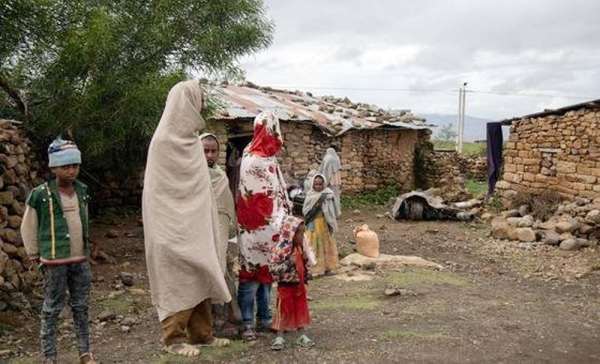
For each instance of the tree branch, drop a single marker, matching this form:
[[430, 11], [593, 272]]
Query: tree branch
[[14, 94]]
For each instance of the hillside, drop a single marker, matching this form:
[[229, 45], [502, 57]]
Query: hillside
[[474, 126]]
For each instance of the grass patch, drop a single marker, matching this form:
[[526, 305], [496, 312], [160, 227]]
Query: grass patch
[[4, 328], [424, 277], [468, 147], [370, 200], [117, 304], [476, 188], [393, 334], [208, 353], [363, 304]]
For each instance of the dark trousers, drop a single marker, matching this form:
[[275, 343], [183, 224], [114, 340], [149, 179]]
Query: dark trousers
[[76, 278]]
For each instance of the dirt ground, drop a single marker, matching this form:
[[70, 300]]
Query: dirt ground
[[500, 302]]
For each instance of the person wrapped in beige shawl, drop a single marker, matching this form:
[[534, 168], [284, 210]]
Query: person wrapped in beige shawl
[[181, 227], [227, 252]]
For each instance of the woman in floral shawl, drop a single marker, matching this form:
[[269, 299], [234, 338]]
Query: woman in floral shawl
[[321, 213], [262, 203]]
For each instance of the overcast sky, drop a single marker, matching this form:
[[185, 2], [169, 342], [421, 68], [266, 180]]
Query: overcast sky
[[416, 54]]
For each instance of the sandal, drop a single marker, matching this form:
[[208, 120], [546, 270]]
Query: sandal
[[248, 334], [87, 358], [277, 343], [183, 350], [305, 341], [263, 327], [217, 342]]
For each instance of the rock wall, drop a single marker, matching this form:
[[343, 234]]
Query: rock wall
[[17, 170], [371, 159], [452, 167], [559, 152]]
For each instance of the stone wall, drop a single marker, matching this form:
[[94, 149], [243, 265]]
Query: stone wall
[[17, 171], [557, 152], [371, 159], [451, 167]]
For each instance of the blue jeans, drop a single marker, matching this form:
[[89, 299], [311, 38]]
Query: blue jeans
[[77, 279], [248, 292]]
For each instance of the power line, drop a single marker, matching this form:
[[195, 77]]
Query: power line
[[432, 91]]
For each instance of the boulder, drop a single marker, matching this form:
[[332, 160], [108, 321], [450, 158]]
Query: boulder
[[566, 226], [593, 217], [548, 225], [526, 222], [500, 228], [525, 234], [550, 237], [574, 244]]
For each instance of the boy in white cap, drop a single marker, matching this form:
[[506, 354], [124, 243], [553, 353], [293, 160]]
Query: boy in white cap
[[55, 234]]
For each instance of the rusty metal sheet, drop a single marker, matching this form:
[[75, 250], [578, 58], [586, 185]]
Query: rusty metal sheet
[[245, 102]]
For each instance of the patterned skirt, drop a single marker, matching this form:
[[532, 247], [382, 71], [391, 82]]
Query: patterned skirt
[[323, 244]]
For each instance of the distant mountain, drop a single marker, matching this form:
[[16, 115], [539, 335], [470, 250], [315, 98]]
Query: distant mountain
[[474, 126]]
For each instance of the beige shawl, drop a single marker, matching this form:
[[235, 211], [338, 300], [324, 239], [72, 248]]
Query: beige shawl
[[181, 229], [225, 206]]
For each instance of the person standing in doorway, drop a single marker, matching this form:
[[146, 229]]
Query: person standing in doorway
[[330, 168]]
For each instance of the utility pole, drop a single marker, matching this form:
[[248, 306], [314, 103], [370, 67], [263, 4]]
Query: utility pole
[[461, 117]]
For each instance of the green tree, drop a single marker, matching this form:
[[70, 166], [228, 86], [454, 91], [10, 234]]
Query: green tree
[[100, 70], [447, 133]]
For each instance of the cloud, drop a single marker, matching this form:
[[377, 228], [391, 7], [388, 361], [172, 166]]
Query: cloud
[[377, 51]]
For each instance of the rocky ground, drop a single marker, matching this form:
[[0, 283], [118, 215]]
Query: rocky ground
[[494, 301]]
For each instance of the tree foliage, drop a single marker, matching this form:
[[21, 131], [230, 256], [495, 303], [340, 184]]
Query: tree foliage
[[447, 133], [101, 70]]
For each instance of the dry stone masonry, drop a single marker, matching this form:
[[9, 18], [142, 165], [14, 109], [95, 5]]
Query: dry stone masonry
[[557, 151], [17, 170]]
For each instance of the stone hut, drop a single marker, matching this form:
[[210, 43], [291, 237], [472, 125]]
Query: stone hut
[[377, 146], [555, 149]]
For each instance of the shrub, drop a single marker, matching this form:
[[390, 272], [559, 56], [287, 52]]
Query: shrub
[[542, 204]]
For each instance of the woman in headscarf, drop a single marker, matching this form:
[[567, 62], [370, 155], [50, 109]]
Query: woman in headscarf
[[320, 215], [262, 203], [181, 227], [330, 168]]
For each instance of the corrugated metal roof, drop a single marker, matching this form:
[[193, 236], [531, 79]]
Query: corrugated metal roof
[[332, 115]]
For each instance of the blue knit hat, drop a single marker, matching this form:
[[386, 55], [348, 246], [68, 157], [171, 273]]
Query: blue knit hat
[[62, 153]]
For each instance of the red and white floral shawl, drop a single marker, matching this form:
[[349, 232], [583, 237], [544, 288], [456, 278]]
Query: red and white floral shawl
[[262, 202]]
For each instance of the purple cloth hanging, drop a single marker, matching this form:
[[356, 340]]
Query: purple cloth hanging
[[494, 155]]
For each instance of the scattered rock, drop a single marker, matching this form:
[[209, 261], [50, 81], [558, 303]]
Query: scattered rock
[[548, 225], [526, 221], [112, 234], [390, 292], [593, 217], [525, 234], [511, 213], [550, 237], [564, 227], [524, 210], [126, 279], [125, 328], [106, 315], [513, 221], [570, 244], [486, 216], [500, 228]]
